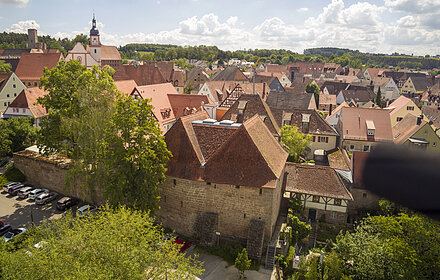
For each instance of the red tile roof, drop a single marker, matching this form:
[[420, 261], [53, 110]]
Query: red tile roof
[[28, 98], [126, 86], [315, 180], [247, 155], [354, 125], [185, 104], [406, 128], [31, 65], [147, 74]]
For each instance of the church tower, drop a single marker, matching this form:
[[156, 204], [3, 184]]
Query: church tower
[[95, 43]]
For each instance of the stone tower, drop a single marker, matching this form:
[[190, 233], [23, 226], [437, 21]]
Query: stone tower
[[32, 38]]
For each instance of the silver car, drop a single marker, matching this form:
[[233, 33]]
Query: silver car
[[24, 192], [33, 194], [13, 233], [9, 185], [86, 210]]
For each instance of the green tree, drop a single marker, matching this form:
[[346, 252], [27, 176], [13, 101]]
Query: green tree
[[135, 155], [294, 142], [82, 38], [114, 141], [109, 70], [295, 205], [189, 87], [378, 100], [5, 67], [16, 134], [299, 230], [97, 247], [392, 247], [242, 262]]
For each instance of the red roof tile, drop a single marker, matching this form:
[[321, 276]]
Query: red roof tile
[[31, 65]]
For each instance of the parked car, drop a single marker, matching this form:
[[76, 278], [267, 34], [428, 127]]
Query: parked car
[[45, 198], [8, 185], [33, 194], [184, 243], [1, 223], [24, 192], [66, 202], [12, 233], [14, 189], [4, 229], [86, 210]]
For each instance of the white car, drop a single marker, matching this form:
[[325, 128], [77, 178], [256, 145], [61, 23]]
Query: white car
[[24, 192], [33, 194], [9, 185], [13, 233]]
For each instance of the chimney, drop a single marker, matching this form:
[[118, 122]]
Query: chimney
[[330, 110], [359, 118]]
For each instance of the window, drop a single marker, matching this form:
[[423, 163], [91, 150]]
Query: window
[[14, 86], [305, 127], [174, 182], [285, 122], [434, 144], [244, 216], [181, 204], [298, 196], [208, 183], [7, 95], [366, 148], [399, 119], [364, 195], [237, 187], [334, 215], [323, 139], [15, 94], [351, 147], [95, 50], [29, 83], [338, 202], [261, 191], [24, 110], [315, 198], [4, 104], [370, 132], [313, 138], [35, 84], [410, 108]]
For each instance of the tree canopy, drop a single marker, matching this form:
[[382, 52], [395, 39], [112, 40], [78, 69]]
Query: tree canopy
[[5, 67], [294, 142], [113, 244], [114, 141], [16, 134]]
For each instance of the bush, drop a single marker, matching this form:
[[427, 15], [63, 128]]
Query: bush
[[229, 253], [12, 174]]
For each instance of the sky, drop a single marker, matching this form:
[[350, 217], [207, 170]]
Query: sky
[[380, 26]]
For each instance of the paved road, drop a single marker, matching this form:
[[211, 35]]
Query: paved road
[[19, 212]]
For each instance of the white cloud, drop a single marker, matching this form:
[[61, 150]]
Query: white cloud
[[16, 3], [302, 10], [23, 26], [413, 6], [362, 26]]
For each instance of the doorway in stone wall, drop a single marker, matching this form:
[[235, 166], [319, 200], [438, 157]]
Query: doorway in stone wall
[[312, 215]]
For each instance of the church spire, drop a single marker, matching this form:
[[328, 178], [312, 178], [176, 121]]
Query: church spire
[[94, 30]]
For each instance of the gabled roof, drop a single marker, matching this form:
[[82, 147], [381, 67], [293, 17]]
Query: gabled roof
[[252, 105], [433, 114], [398, 104], [31, 65], [337, 160], [27, 99], [315, 180], [195, 73], [306, 67], [159, 99], [143, 74], [327, 99], [4, 77], [242, 155], [334, 87], [275, 68], [337, 109], [317, 125], [110, 53], [220, 89], [432, 94], [264, 79], [422, 83], [354, 124], [185, 104], [406, 128], [381, 81], [230, 73], [289, 101], [374, 72], [358, 95], [300, 83], [126, 86]]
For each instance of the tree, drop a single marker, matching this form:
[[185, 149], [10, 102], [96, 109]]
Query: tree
[[135, 155], [16, 134], [294, 142], [114, 140], [392, 247], [5, 67], [299, 230], [295, 205], [109, 70], [82, 38], [97, 247], [242, 262], [379, 98], [189, 87]]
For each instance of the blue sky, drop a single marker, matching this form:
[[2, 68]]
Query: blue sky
[[410, 26]]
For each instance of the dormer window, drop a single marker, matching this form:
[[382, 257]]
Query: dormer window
[[370, 127]]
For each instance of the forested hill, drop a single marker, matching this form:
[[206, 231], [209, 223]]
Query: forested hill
[[158, 52]]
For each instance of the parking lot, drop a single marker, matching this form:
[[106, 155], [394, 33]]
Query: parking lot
[[21, 212]]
